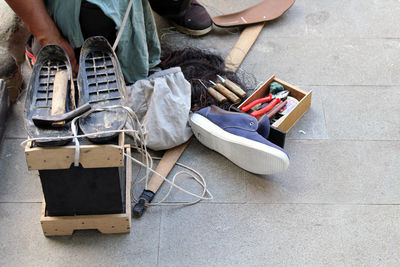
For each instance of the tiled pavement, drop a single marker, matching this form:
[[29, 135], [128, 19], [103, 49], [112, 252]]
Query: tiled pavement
[[336, 205]]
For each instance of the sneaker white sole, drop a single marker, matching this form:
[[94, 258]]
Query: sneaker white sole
[[250, 155]]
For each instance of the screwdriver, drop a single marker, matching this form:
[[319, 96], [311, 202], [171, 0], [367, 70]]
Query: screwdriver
[[217, 96], [225, 91], [232, 86]]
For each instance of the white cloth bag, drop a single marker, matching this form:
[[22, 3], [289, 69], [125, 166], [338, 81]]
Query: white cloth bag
[[162, 104]]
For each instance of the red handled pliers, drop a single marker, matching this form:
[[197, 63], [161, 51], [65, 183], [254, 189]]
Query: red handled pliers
[[266, 108], [255, 102], [276, 99]]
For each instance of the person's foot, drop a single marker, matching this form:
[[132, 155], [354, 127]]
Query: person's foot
[[239, 137], [195, 21]]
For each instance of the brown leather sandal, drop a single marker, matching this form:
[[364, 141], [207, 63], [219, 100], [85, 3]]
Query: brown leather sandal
[[264, 11]]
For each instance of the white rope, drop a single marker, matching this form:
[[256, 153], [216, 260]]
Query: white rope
[[123, 24], [172, 183], [139, 144]]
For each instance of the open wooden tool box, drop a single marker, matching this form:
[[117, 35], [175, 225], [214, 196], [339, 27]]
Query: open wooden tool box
[[282, 126], [95, 195]]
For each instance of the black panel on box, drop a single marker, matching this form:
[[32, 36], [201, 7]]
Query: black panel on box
[[83, 191], [277, 136]]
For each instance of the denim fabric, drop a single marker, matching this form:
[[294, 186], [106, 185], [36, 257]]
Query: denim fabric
[[238, 124], [139, 47]]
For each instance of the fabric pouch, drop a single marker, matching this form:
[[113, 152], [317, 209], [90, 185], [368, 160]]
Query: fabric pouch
[[162, 104]]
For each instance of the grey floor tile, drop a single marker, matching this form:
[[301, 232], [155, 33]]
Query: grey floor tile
[[323, 61], [362, 113], [371, 235], [251, 235], [375, 19], [17, 184], [335, 19], [333, 172], [392, 48], [24, 244], [312, 125], [15, 119]]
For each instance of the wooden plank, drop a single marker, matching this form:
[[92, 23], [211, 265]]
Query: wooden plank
[[165, 166], [104, 223], [239, 51], [91, 156]]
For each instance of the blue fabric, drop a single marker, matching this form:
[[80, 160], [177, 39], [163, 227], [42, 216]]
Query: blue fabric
[[139, 47], [239, 124], [264, 127]]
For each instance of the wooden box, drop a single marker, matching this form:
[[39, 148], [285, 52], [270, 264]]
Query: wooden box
[[285, 123], [104, 223], [62, 157]]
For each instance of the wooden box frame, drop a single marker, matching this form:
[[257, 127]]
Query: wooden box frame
[[104, 223], [62, 157], [285, 123]]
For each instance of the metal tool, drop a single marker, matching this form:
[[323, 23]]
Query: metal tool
[[164, 167], [59, 119], [275, 100], [232, 86], [214, 93], [275, 110], [256, 102], [226, 92]]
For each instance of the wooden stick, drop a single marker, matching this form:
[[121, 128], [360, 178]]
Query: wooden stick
[[239, 51], [165, 166], [59, 94]]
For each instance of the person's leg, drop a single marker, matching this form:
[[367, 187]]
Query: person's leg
[[95, 23], [169, 8], [188, 16]]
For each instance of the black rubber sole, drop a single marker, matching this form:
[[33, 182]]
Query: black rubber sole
[[49, 60], [101, 83]]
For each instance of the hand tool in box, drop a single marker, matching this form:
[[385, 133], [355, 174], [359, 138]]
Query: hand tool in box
[[225, 91], [275, 100], [275, 109], [217, 96], [291, 104], [164, 167], [256, 102], [232, 86]]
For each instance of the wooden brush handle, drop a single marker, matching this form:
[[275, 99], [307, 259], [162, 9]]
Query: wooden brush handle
[[217, 96], [231, 96], [273, 111], [59, 95], [234, 88]]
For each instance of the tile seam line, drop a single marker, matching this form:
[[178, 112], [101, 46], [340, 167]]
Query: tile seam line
[[261, 203], [338, 38], [159, 239], [346, 140], [302, 203], [349, 85]]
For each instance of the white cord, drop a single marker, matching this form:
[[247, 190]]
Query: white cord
[[139, 145], [172, 183], [123, 24]]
